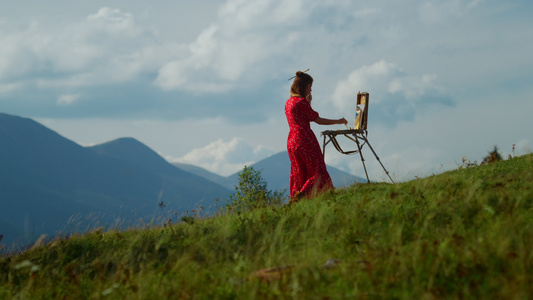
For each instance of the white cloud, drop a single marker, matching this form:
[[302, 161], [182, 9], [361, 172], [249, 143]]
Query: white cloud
[[9, 87], [443, 11], [14, 59], [194, 73], [68, 99], [365, 12], [113, 19], [395, 93], [245, 37], [105, 48], [382, 78], [376, 77], [225, 158]]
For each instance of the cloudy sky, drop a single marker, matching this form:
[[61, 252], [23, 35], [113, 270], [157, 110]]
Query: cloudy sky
[[205, 82]]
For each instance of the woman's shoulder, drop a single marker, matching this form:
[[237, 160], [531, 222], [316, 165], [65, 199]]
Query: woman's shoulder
[[295, 99], [291, 100]]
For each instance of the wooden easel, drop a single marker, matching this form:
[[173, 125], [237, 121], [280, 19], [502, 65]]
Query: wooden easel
[[358, 134]]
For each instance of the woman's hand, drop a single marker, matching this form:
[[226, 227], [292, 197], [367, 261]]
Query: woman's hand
[[343, 121]]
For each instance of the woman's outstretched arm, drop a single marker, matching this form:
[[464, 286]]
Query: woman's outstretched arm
[[323, 121]]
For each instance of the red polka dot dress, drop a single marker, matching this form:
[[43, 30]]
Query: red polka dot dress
[[308, 170]]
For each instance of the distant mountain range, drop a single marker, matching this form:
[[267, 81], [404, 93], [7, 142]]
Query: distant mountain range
[[275, 170], [51, 185]]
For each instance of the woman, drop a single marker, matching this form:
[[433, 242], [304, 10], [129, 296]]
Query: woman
[[308, 169]]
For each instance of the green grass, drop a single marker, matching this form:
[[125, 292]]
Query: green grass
[[466, 233]]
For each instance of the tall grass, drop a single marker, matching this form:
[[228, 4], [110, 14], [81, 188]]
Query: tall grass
[[467, 233]]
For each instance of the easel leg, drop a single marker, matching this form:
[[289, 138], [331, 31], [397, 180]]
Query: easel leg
[[324, 148], [362, 159], [359, 149], [377, 157]]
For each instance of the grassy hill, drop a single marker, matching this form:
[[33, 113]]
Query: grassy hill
[[466, 233]]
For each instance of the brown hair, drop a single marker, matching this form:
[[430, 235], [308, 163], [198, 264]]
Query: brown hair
[[300, 83]]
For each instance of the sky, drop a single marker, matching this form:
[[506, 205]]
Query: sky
[[205, 82]]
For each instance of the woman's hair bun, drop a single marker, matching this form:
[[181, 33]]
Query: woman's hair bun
[[300, 74]]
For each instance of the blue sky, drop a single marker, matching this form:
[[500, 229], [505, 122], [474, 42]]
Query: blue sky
[[204, 82]]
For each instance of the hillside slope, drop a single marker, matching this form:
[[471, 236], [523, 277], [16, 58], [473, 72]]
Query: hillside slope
[[462, 234]]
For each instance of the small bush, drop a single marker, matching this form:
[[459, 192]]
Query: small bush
[[252, 193], [493, 156]]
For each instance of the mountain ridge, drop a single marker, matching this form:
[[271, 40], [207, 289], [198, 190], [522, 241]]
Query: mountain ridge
[[46, 179], [275, 170]]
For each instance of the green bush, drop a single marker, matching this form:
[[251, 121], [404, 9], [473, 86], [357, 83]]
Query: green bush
[[252, 193]]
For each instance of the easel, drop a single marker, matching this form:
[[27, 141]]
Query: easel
[[358, 134]]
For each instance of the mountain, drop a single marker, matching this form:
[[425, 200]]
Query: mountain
[[49, 184], [275, 170], [186, 185], [223, 181]]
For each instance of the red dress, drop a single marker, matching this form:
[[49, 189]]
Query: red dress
[[308, 169]]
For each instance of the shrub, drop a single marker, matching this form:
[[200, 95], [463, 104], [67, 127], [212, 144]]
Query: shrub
[[493, 156], [252, 192]]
